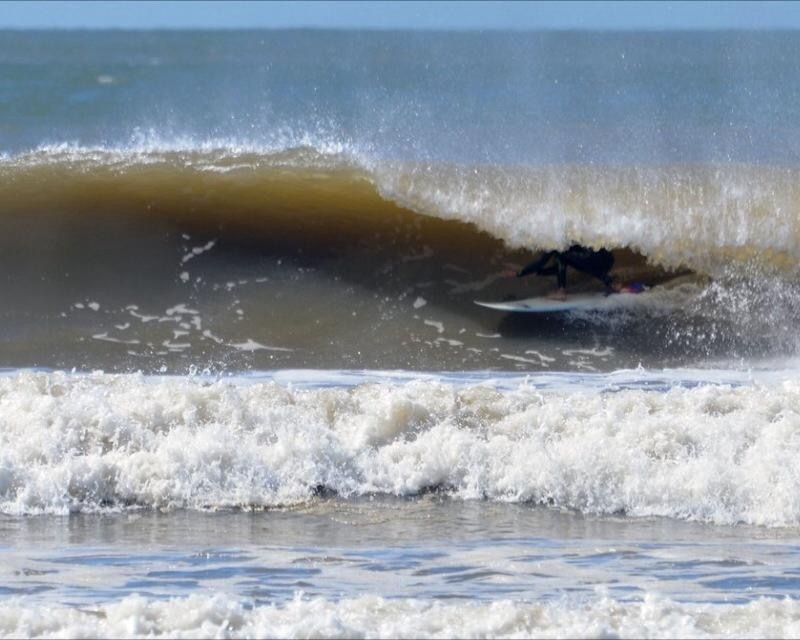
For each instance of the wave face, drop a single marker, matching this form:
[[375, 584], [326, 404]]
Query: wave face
[[232, 258], [705, 218], [711, 453]]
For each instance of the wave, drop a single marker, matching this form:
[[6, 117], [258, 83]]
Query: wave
[[222, 616], [238, 256], [86, 443], [706, 218]]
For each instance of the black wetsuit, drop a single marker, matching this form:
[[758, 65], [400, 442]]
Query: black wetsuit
[[595, 263]]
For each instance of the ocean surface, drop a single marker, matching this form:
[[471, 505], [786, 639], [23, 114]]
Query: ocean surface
[[244, 387]]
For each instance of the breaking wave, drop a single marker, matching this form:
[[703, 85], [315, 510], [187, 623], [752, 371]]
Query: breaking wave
[[84, 443], [221, 616], [708, 218]]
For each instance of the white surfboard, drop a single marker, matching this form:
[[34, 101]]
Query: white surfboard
[[574, 302]]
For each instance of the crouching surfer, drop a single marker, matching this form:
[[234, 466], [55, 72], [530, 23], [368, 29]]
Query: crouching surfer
[[597, 264]]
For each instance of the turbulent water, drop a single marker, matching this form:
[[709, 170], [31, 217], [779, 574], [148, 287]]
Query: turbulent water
[[244, 386]]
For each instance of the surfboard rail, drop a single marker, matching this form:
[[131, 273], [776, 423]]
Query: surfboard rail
[[575, 302]]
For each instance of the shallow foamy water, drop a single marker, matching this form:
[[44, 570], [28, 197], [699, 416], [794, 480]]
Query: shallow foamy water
[[373, 504], [427, 566]]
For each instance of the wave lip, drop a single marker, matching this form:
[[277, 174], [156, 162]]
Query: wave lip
[[712, 453]]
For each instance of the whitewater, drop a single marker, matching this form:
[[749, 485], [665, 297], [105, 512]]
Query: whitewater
[[715, 453], [244, 387]]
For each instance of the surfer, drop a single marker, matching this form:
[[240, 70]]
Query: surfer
[[595, 263]]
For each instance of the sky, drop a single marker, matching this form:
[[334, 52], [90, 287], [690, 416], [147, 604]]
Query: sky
[[400, 15]]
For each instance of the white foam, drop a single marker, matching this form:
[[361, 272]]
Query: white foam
[[221, 616], [703, 217], [106, 338], [520, 359], [132, 310], [439, 326], [181, 309], [449, 342], [543, 358], [714, 453], [199, 250], [596, 352], [252, 345]]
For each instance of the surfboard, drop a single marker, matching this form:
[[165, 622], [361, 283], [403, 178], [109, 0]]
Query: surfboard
[[574, 302]]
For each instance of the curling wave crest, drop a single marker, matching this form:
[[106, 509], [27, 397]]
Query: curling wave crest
[[680, 216], [715, 452]]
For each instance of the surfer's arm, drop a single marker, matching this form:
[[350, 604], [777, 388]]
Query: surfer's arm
[[537, 265]]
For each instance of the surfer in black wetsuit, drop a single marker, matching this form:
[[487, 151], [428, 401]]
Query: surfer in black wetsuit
[[595, 263]]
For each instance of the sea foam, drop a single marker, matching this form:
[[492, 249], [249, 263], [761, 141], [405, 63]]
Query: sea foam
[[85, 443], [220, 616]]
